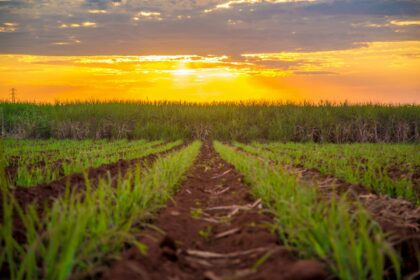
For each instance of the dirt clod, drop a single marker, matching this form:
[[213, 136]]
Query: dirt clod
[[308, 270]]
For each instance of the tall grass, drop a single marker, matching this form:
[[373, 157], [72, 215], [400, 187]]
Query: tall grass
[[324, 122], [3, 164], [337, 231]]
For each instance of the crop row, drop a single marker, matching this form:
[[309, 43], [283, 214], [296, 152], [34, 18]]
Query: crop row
[[30, 153], [98, 222], [391, 169], [17, 147], [78, 162], [336, 231]]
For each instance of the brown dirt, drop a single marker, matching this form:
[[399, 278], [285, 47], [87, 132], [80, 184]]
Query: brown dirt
[[399, 218], [213, 229]]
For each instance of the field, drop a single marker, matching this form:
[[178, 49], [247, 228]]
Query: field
[[222, 191]]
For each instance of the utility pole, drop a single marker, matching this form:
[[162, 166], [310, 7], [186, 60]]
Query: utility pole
[[13, 95]]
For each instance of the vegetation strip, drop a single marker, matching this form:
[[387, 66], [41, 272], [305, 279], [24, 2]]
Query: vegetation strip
[[205, 235], [391, 169], [340, 233], [97, 224], [49, 192], [399, 219], [242, 121], [51, 167]]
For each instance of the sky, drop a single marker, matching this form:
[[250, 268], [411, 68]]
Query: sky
[[211, 50]]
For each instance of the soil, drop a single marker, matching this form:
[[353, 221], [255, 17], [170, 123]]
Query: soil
[[399, 218], [213, 228]]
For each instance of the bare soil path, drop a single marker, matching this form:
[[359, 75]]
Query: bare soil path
[[213, 229]]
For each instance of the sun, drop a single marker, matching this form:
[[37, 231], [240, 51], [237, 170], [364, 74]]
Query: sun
[[183, 72]]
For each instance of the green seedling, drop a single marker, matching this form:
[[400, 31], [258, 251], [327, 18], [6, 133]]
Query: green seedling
[[261, 260], [197, 213], [206, 232]]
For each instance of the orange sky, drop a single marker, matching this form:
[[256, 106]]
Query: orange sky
[[211, 50], [379, 72]]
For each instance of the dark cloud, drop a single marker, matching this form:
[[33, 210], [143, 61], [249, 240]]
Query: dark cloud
[[315, 73], [182, 27], [99, 4], [363, 7]]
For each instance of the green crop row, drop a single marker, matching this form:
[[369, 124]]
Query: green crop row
[[339, 232], [29, 152], [338, 123], [82, 160], [19, 147], [35, 165], [98, 223], [384, 168]]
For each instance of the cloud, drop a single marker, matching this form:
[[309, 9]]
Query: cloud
[[314, 73], [366, 7], [78, 25], [8, 27], [70, 41], [231, 4], [143, 27], [102, 4], [97, 11], [339, 62], [405, 22], [147, 15]]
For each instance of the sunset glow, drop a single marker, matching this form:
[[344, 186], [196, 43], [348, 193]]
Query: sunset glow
[[391, 67], [210, 51]]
